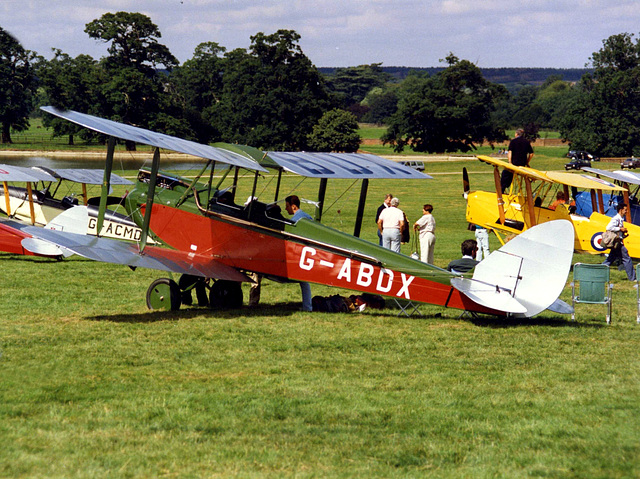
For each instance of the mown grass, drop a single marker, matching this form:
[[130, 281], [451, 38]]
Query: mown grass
[[94, 385]]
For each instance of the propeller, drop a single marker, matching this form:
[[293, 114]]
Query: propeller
[[465, 182]]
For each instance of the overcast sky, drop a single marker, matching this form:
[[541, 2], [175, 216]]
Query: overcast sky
[[416, 33]]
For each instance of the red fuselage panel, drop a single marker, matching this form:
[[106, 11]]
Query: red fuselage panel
[[249, 247]]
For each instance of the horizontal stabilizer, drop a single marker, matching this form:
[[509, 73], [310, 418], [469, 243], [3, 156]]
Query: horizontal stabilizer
[[560, 307], [533, 268], [44, 248], [119, 252], [488, 295]]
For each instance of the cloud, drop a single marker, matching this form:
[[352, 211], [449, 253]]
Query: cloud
[[543, 33]]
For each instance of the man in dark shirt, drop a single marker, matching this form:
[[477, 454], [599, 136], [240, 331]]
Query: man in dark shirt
[[520, 154], [381, 208]]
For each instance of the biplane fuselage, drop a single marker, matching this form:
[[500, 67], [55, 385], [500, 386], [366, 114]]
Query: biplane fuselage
[[520, 212], [203, 235], [248, 239]]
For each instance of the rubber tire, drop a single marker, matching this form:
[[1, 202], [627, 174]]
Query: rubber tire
[[163, 294], [226, 295], [187, 283]]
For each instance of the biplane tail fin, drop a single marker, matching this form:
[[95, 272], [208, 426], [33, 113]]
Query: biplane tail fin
[[532, 269], [74, 220]]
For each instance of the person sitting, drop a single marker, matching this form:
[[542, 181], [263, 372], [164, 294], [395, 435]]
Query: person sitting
[[292, 205], [560, 200], [467, 262]]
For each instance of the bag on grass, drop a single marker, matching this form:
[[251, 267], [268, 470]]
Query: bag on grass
[[415, 247], [610, 239]]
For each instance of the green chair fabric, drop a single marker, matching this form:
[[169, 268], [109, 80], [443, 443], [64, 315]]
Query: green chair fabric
[[591, 284]]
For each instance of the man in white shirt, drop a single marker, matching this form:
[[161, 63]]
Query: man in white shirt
[[620, 250], [390, 224]]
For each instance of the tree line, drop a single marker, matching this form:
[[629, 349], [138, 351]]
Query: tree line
[[273, 97]]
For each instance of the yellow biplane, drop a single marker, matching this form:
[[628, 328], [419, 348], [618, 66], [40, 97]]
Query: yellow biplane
[[528, 203]]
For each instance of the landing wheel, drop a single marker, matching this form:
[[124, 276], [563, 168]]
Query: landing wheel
[[163, 294], [187, 283], [225, 295]]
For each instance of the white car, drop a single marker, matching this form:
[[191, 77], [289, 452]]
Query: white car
[[416, 165]]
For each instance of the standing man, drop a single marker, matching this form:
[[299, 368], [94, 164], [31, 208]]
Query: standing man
[[482, 238], [519, 154], [292, 205], [390, 224], [620, 250], [426, 227], [383, 206]]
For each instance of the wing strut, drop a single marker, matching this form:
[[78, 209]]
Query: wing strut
[[111, 146], [360, 213], [321, 194], [496, 179], [7, 198], [32, 212], [151, 191]]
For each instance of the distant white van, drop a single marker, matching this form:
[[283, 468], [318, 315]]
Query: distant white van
[[416, 165]]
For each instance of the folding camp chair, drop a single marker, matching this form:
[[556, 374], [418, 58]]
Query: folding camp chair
[[593, 286], [405, 306]]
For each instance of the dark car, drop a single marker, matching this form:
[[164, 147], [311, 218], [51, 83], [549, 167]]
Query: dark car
[[630, 163], [582, 155], [577, 163]]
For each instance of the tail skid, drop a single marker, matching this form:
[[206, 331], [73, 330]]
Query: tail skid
[[526, 275]]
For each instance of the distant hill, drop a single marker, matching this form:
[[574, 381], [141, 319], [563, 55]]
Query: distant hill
[[512, 78]]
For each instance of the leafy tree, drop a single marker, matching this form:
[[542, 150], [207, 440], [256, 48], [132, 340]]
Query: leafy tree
[[17, 85], [134, 42], [199, 84], [603, 115], [448, 112], [272, 95], [137, 90], [382, 104], [337, 130], [71, 83], [352, 84]]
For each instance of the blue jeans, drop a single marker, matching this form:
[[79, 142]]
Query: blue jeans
[[391, 239], [306, 296], [622, 253]]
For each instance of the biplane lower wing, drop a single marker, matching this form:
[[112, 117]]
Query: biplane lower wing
[[12, 239], [118, 252]]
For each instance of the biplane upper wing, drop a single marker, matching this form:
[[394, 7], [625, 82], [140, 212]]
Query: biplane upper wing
[[343, 165], [586, 182], [23, 174], [119, 252], [159, 140], [525, 171], [90, 177], [619, 175]]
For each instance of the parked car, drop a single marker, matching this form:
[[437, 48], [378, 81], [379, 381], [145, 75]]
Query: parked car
[[582, 155], [416, 165], [630, 163], [577, 163]]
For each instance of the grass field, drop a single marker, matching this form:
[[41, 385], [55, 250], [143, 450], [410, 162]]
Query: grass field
[[94, 385]]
